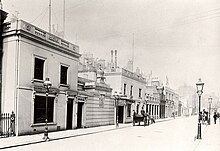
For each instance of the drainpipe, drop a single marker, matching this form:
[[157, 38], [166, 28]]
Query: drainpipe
[[16, 76]]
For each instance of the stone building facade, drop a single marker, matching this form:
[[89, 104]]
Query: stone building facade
[[99, 106], [30, 55], [132, 88]]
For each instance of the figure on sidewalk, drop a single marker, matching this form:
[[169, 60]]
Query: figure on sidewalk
[[144, 115], [204, 117], [173, 115], [142, 111], [147, 118], [215, 117]]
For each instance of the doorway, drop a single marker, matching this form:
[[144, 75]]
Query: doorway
[[79, 114], [120, 114], [69, 120]]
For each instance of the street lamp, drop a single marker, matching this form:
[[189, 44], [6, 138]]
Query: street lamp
[[199, 86], [117, 97], [210, 102], [47, 85]]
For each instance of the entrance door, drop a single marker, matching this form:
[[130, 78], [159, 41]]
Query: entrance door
[[79, 114], [120, 114], [69, 119]]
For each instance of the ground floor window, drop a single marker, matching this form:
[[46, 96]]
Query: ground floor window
[[40, 109], [129, 110]]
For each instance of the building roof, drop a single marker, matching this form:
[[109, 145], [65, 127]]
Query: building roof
[[126, 73]]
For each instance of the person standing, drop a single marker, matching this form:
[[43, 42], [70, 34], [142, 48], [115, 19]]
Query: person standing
[[144, 115], [215, 117]]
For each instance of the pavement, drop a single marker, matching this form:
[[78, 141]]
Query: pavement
[[210, 138], [210, 135]]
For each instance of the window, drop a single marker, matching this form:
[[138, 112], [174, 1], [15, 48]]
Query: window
[[125, 85], [129, 110], [131, 91], [63, 74], [137, 108], [40, 109], [139, 93], [39, 68]]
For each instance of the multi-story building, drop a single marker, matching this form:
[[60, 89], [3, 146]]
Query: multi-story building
[[132, 87], [153, 98], [30, 55], [3, 16], [169, 97]]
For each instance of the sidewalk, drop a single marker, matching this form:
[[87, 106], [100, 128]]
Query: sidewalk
[[210, 139], [10, 142]]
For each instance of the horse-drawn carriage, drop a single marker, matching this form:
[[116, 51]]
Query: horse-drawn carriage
[[137, 118]]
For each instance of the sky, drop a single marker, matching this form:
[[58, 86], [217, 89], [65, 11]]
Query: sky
[[179, 39]]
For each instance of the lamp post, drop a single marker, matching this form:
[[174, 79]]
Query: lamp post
[[210, 102], [117, 96], [199, 86], [47, 85]]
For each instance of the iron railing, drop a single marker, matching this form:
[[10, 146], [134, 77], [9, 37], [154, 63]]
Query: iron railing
[[7, 124]]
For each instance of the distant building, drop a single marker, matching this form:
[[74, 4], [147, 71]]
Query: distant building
[[189, 98]]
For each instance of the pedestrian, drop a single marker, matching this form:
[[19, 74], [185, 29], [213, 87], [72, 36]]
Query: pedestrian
[[147, 118], [144, 115], [142, 111], [173, 115], [215, 117]]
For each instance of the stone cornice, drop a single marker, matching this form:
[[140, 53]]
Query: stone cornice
[[40, 36]]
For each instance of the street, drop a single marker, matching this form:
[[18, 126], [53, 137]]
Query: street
[[178, 134]]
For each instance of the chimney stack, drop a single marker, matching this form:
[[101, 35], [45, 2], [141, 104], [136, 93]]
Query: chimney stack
[[112, 64], [115, 58]]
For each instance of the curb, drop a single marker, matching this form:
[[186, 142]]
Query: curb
[[71, 136], [59, 138]]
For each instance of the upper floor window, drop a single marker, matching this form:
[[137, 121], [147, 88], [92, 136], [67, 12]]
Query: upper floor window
[[39, 68], [63, 74], [131, 91], [125, 85], [139, 93]]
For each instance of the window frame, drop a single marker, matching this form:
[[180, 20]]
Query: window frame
[[50, 111], [131, 90], [124, 88], [129, 110], [67, 74], [139, 92], [44, 67]]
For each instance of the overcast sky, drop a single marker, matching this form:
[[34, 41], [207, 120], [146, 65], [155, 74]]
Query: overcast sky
[[179, 39]]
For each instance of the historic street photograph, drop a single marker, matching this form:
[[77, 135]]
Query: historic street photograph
[[110, 75]]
